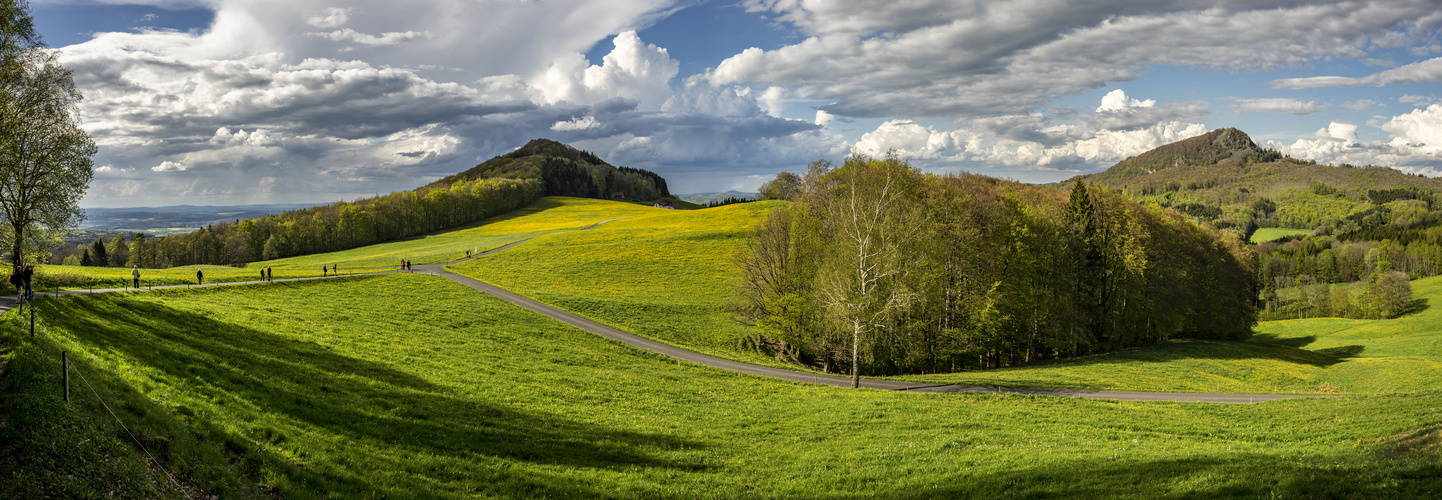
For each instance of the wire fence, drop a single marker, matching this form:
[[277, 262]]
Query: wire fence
[[41, 335]]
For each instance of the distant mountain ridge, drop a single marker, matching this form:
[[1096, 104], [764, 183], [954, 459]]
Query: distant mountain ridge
[[705, 198], [563, 170], [1223, 178]]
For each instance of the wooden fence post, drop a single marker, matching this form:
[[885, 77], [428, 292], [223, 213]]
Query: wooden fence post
[[65, 367]]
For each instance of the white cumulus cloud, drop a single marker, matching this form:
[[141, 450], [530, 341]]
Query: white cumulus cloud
[[1277, 105], [1117, 100], [634, 71], [334, 17], [583, 123], [169, 166], [391, 38]]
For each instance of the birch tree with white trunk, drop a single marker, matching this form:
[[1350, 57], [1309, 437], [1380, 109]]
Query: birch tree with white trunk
[[873, 217]]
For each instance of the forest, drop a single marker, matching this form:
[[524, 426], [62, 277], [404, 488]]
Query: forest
[[904, 272]]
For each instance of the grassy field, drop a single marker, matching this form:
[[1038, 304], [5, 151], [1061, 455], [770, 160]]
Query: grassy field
[[547, 215], [663, 274], [317, 389], [1271, 233], [1321, 355]]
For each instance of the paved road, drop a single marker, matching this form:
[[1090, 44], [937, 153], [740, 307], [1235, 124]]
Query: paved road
[[807, 377], [8, 302]]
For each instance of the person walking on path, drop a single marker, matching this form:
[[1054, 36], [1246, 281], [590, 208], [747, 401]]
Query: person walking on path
[[199, 277], [269, 275], [135, 275], [262, 274], [29, 275], [18, 281], [322, 271]]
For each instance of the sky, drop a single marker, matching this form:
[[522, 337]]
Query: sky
[[227, 102]]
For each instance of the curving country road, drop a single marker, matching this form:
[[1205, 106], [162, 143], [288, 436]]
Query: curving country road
[[9, 302], [811, 378]]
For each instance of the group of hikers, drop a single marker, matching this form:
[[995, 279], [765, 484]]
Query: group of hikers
[[20, 277], [405, 265], [334, 269]]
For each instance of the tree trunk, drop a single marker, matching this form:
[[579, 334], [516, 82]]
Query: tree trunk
[[855, 354]]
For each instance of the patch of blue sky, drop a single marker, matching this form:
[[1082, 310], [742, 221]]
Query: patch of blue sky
[[69, 24]]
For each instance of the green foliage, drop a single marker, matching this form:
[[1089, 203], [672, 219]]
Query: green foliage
[[98, 254], [45, 165], [785, 186], [1005, 274]]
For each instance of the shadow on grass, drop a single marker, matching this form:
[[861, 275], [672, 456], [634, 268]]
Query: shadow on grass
[[1416, 306], [1239, 475], [1288, 350], [376, 420]]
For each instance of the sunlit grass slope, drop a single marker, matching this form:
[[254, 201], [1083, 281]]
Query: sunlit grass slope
[[550, 214], [1324, 355], [547, 215], [664, 274], [1272, 233], [317, 389]]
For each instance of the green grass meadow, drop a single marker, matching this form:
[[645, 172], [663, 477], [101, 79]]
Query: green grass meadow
[[318, 390], [414, 386], [547, 215], [663, 274], [1266, 234]]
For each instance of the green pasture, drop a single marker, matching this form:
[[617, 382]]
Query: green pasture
[[320, 390], [1266, 234], [663, 274]]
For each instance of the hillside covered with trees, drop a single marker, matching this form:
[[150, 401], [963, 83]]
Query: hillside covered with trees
[[562, 170], [877, 265], [1225, 179], [1368, 230], [499, 185]]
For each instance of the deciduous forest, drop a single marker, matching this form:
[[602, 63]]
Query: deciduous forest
[[912, 273]]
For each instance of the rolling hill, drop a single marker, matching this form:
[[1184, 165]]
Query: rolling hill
[[1225, 178], [566, 171]]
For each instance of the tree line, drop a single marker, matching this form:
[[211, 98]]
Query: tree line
[[1300, 278], [329, 228], [875, 267]]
